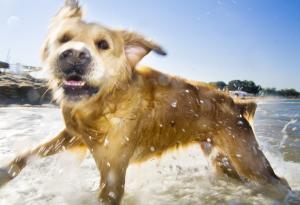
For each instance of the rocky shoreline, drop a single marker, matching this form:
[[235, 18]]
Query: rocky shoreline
[[23, 89]]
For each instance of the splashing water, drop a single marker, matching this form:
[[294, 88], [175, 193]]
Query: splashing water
[[178, 178], [284, 132]]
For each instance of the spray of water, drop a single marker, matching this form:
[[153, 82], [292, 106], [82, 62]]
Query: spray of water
[[284, 132]]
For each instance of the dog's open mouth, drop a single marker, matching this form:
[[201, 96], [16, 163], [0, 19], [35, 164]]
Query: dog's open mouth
[[76, 86]]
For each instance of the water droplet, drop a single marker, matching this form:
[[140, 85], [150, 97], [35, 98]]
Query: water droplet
[[152, 149], [174, 104], [240, 122], [106, 142], [239, 155], [112, 195]]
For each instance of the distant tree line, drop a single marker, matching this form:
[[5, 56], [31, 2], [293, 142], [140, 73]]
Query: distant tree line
[[290, 93], [251, 88]]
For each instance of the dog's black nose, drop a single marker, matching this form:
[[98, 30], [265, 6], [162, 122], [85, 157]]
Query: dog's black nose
[[74, 61]]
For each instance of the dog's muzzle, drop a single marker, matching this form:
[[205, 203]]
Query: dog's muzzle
[[74, 64], [73, 61]]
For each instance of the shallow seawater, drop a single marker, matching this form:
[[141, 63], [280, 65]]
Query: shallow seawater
[[180, 178]]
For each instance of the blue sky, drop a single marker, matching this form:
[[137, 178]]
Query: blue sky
[[206, 40]]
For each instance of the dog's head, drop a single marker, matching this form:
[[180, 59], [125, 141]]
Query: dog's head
[[87, 59]]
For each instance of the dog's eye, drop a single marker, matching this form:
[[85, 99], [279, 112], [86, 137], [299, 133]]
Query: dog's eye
[[65, 39], [103, 44]]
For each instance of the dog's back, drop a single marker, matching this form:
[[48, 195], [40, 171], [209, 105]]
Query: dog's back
[[172, 112]]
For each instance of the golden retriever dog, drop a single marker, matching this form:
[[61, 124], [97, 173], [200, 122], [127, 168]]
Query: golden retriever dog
[[124, 114]]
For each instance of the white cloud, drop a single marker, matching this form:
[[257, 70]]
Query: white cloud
[[12, 20]]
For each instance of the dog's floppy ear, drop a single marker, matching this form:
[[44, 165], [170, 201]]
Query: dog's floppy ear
[[136, 47], [71, 9]]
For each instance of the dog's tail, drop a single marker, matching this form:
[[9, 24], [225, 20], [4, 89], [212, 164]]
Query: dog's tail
[[247, 109]]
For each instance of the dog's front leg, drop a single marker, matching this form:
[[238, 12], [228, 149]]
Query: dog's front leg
[[112, 171], [112, 161], [112, 155], [62, 142]]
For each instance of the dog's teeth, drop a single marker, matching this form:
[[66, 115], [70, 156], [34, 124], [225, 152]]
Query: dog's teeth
[[74, 83]]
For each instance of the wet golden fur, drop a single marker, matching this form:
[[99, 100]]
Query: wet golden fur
[[140, 113]]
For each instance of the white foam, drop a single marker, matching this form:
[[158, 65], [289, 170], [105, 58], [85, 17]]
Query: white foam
[[179, 178]]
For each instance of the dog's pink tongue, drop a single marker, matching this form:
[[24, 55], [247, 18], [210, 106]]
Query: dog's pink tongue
[[74, 83]]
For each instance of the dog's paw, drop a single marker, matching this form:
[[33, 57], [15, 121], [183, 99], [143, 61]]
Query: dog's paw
[[4, 177]]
